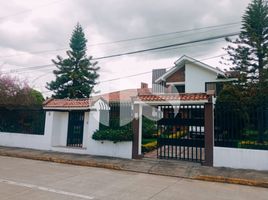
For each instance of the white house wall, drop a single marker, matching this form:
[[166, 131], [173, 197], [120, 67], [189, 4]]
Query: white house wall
[[196, 77], [240, 158], [60, 128], [86, 129]]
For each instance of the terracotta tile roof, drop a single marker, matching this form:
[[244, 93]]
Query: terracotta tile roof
[[174, 97], [68, 103], [123, 95]]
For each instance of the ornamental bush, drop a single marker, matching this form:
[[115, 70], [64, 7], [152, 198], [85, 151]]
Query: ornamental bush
[[114, 135]]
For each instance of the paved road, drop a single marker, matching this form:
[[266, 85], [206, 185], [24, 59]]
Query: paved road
[[22, 179]]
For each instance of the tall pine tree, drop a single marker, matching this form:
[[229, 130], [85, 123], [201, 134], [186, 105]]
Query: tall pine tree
[[249, 56], [249, 52], [77, 74]]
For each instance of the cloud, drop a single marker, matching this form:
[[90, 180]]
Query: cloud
[[49, 27]]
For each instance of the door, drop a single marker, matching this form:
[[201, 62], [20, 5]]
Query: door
[[75, 129]]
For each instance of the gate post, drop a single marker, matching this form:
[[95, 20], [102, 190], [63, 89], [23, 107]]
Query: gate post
[[136, 126], [209, 132]]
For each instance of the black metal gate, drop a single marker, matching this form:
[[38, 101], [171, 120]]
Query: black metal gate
[[181, 133], [75, 129]]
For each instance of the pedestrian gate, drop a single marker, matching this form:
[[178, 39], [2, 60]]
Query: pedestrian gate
[[75, 128], [181, 133]]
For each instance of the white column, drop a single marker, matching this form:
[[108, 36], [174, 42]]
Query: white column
[[140, 128], [49, 127]]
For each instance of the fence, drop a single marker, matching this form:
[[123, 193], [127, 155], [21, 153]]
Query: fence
[[181, 133], [22, 120], [241, 127]]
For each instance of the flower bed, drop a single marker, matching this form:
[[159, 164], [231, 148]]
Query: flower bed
[[149, 146], [253, 145]]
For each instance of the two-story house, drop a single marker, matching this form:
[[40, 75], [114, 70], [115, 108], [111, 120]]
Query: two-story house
[[187, 76]]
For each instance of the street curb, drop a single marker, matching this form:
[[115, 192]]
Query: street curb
[[238, 181], [88, 163], [64, 161]]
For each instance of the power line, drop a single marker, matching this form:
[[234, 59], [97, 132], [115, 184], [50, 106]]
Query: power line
[[28, 10], [167, 46], [147, 72], [178, 37], [126, 40], [156, 49], [165, 34], [28, 68], [22, 70]]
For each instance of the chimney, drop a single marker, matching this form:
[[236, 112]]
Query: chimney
[[144, 85], [157, 88]]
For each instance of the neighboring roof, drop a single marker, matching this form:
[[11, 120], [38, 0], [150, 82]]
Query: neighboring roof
[[187, 97], [85, 103], [123, 95], [181, 62]]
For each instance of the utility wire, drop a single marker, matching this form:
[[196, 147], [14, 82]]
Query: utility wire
[[28, 68], [167, 46], [177, 37], [125, 40], [29, 10], [147, 72], [165, 34], [156, 49], [25, 69]]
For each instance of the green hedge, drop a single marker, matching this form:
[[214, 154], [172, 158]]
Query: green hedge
[[114, 135], [149, 129]]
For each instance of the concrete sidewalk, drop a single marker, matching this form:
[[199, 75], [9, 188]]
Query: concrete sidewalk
[[150, 166]]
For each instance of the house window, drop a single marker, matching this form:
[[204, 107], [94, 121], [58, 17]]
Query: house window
[[178, 89], [211, 86], [216, 86]]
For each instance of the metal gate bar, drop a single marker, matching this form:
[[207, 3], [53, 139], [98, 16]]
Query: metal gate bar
[[181, 133]]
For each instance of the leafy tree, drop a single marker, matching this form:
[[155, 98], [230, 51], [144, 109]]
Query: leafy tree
[[249, 52], [16, 92], [37, 97], [77, 74]]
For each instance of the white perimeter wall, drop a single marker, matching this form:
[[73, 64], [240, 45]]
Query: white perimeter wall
[[42, 142], [196, 77], [108, 148], [240, 158], [55, 137], [103, 148]]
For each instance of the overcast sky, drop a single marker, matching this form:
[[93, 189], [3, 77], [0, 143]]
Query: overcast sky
[[34, 32]]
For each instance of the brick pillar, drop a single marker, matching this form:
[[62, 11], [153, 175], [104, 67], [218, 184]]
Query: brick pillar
[[209, 133], [136, 135]]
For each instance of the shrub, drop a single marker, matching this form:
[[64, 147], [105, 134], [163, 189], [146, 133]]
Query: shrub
[[149, 147], [114, 135], [148, 128]]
